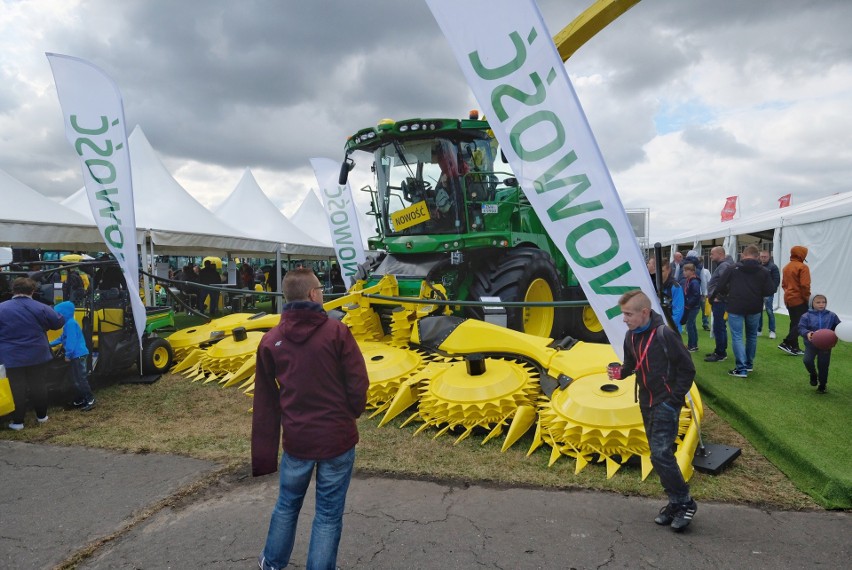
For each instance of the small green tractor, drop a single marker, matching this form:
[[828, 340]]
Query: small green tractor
[[449, 211]]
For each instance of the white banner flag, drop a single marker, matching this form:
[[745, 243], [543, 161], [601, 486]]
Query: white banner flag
[[342, 217], [506, 53], [94, 124]]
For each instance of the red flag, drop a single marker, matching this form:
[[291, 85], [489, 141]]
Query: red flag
[[730, 209], [784, 200]]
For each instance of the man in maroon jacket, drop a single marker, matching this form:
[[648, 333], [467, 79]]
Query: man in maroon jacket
[[311, 383]]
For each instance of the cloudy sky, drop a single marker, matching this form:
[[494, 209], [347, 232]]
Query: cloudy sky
[[690, 101]]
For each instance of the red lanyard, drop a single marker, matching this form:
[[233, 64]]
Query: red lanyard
[[641, 359]]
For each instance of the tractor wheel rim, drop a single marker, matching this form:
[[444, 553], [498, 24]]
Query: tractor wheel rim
[[591, 321], [538, 320], [160, 356]]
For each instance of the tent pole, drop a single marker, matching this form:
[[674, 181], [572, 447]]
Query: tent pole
[[278, 304]]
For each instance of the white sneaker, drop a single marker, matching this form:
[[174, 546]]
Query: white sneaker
[[43, 420], [771, 334], [16, 427]]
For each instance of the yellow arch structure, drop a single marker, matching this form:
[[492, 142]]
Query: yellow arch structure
[[584, 27]]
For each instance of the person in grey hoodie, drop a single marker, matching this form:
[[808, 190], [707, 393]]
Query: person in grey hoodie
[[718, 303]]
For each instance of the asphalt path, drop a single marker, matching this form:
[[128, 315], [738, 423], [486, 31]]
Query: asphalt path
[[105, 510]]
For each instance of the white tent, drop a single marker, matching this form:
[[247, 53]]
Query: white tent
[[249, 208], [29, 219], [175, 221], [311, 218], [824, 226]]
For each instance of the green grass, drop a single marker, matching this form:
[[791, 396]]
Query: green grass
[[803, 433]]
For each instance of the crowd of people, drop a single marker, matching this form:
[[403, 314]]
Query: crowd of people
[[738, 294]]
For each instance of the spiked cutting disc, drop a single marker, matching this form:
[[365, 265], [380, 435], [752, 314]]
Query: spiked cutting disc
[[388, 366], [486, 395]]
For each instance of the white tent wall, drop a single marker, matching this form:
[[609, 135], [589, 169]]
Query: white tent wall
[[829, 246], [824, 226]]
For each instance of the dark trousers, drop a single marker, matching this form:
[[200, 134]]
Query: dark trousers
[[29, 387], [214, 300], [720, 330], [796, 312], [823, 359], [661, 425], [80, 379]]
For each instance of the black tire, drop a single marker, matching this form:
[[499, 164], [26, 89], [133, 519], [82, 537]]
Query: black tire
[[518, 274], [157, 355]]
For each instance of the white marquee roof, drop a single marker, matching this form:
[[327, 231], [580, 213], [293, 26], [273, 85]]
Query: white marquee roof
[[176, 222], [249, 208]]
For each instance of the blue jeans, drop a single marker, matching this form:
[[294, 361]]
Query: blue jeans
[[744, 350], [691, 329], [720, 332], [333, 476], [770, 314], [80, 379], [823, 360], [661, 423]]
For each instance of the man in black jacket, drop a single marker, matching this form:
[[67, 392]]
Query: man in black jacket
[[769, 300], [664, 374], [746, 285]]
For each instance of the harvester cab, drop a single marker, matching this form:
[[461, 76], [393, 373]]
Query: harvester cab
[[449, 211]]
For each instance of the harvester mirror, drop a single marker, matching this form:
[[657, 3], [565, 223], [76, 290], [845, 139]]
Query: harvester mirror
[[511, 182], [347, 165]]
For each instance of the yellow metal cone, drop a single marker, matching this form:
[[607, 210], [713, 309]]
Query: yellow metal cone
[[521, 423]]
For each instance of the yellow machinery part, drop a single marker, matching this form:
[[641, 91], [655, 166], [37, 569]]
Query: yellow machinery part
[[584, 27], [188, 339]]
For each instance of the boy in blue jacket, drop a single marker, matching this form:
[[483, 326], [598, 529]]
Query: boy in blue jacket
[[817, 317], [76, 352]]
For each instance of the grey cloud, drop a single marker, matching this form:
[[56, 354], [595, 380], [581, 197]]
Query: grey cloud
[[716, 140]]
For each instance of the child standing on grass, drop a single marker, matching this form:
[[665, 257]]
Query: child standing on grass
[[817, 317], [692, 304], [76, 353]]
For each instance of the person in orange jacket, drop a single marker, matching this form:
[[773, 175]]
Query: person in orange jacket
[[796, 283]]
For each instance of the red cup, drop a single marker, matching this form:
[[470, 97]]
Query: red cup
[[614, 370]]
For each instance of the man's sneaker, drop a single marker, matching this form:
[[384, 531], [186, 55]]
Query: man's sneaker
[[783, 346], [263, 564], [749, 368], [88, 405], [715, 358], [683, 515], [43, 420], [771, 334], [692, 349], [797, 352], [78, 403], [820, 390], [739, 373], [814, 379], [666, 515], [706, 327], [16, 427]]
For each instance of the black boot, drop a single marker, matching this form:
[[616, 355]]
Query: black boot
[[814, 379]]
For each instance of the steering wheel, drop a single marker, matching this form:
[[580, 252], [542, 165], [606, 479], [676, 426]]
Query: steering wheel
[[414, 190]]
